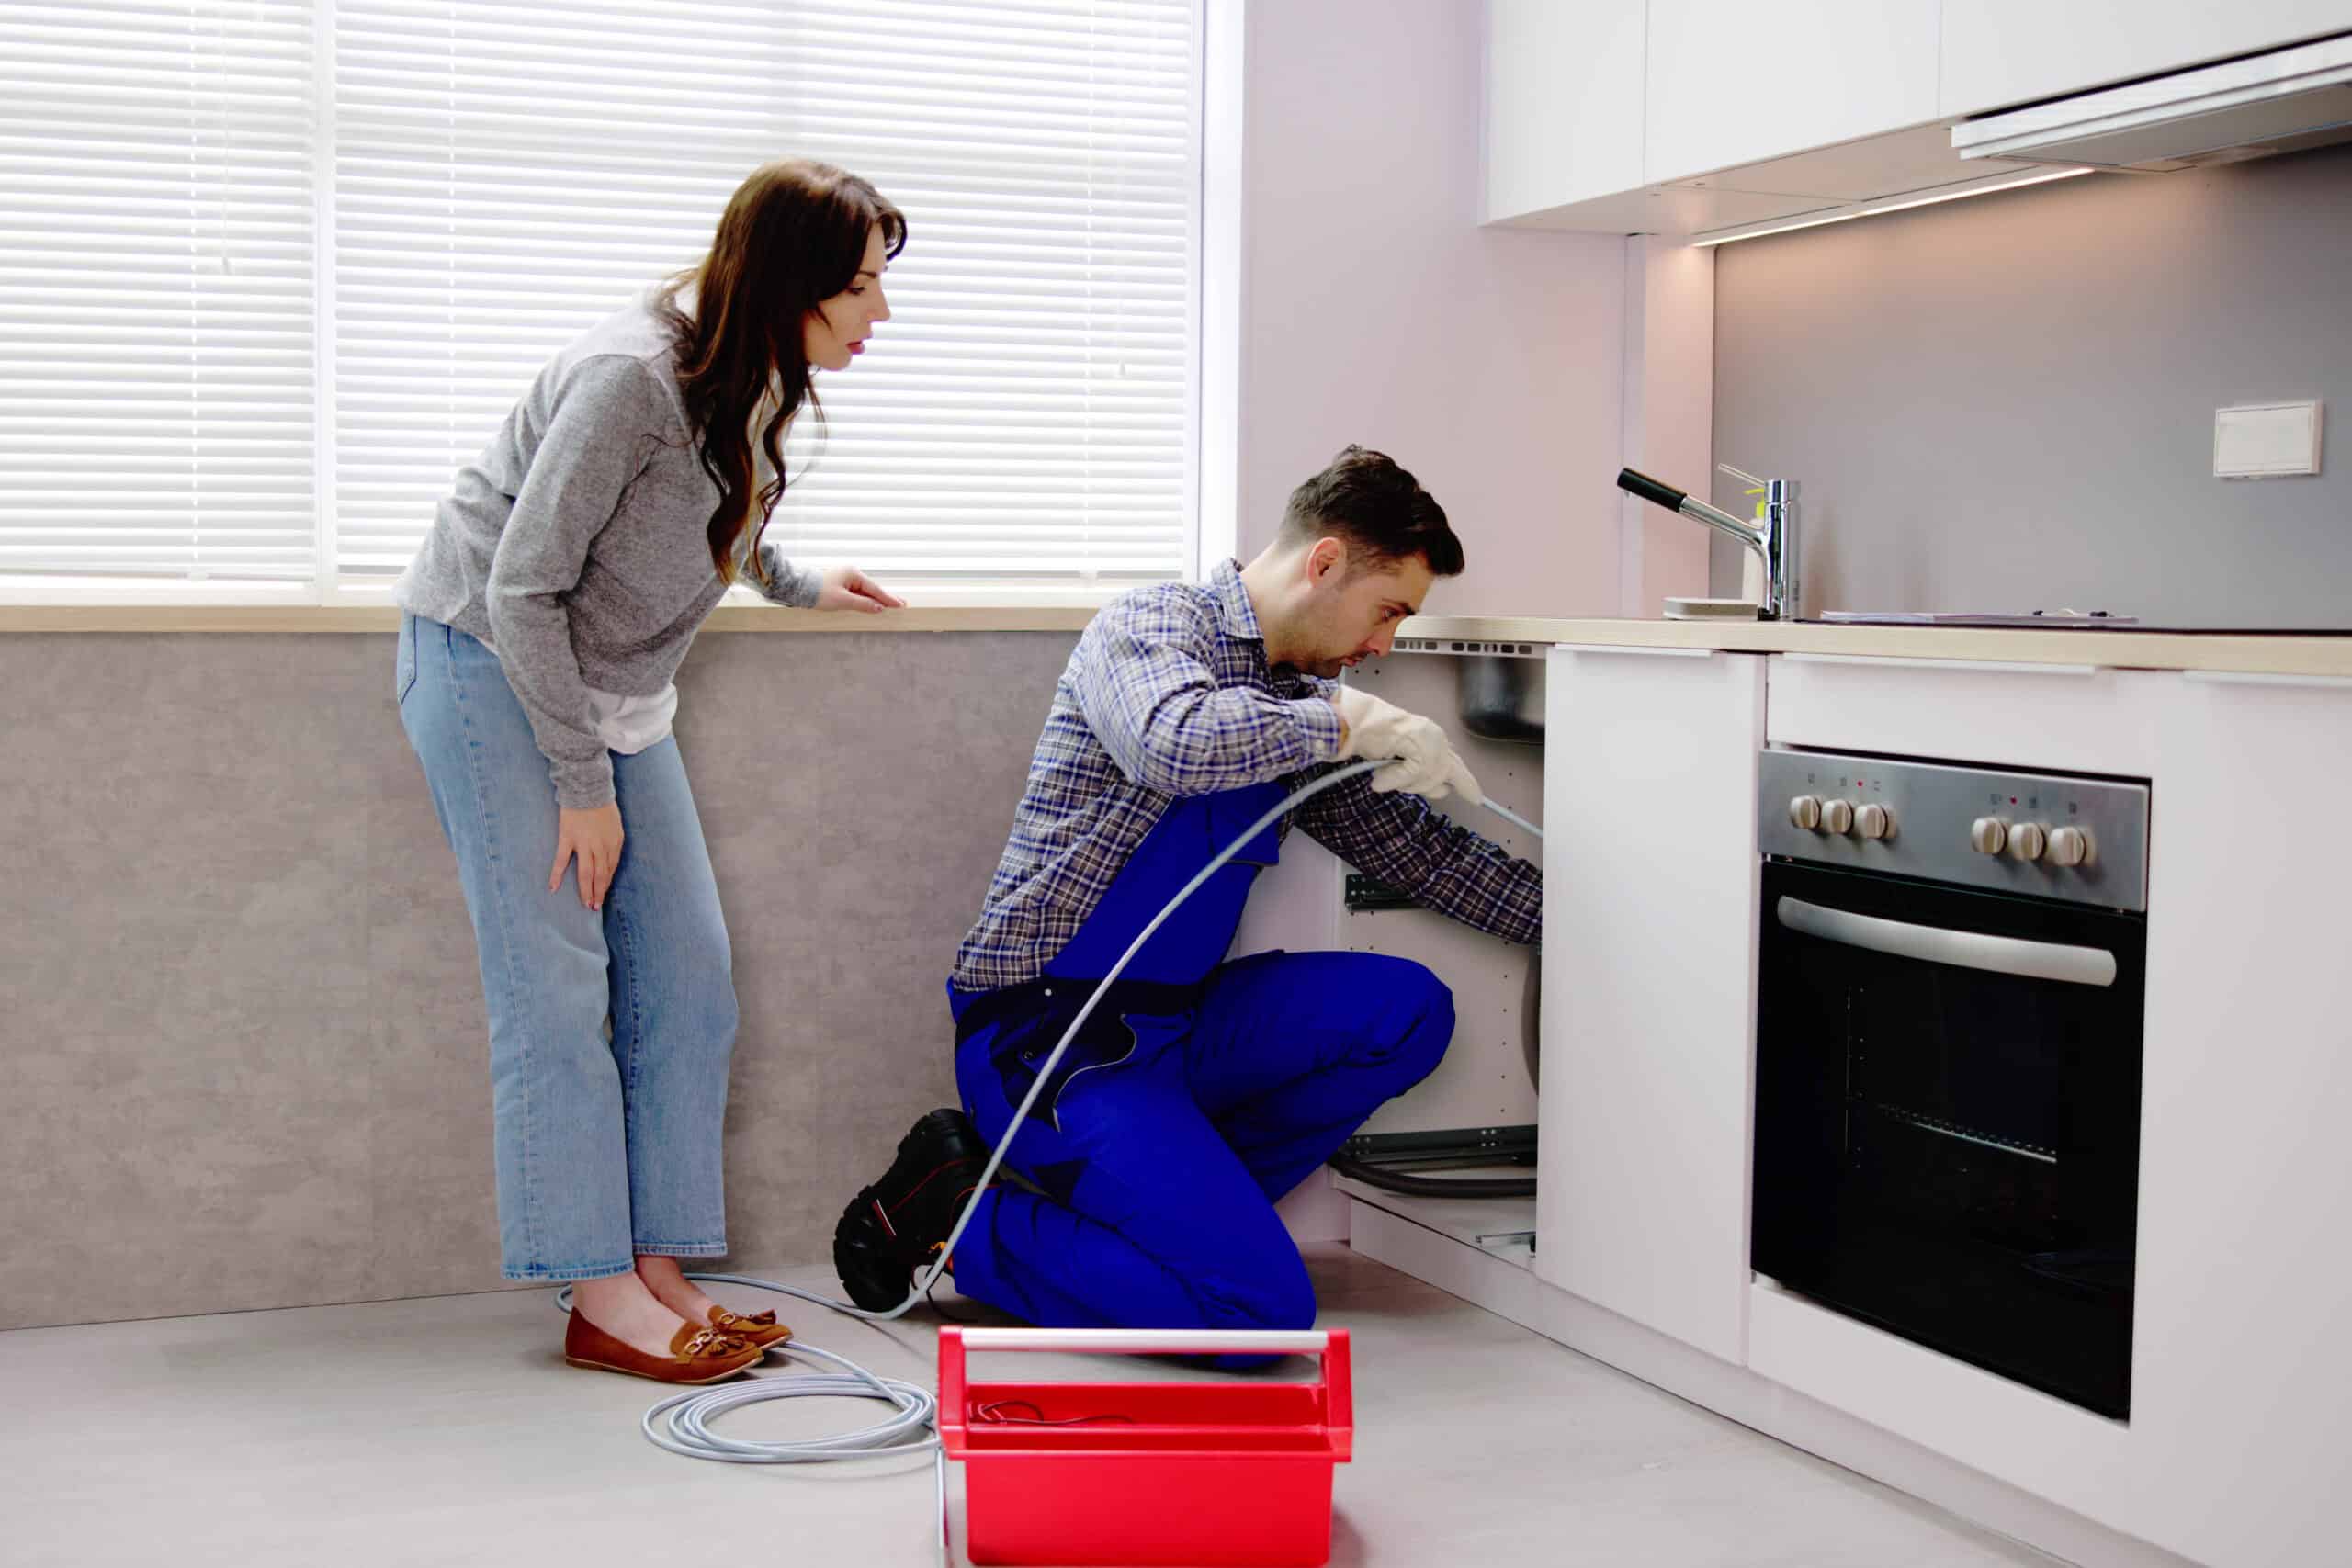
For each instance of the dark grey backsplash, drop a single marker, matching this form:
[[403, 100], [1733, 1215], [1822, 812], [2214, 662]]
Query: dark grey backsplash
[[2007, 403]]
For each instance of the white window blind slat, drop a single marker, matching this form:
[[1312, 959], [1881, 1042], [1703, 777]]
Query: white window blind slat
[[257, 257]]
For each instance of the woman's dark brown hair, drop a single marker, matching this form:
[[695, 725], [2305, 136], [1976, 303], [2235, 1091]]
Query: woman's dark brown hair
[[793, 235]]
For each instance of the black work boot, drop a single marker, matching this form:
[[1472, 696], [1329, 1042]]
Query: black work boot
[[898, 1225]]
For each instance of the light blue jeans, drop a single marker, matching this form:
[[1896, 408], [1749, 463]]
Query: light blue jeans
[[611, 1031]]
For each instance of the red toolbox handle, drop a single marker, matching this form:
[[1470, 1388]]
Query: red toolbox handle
[[1329, 1346]]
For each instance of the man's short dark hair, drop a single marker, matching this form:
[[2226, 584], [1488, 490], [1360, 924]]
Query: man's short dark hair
[[1379, 509]]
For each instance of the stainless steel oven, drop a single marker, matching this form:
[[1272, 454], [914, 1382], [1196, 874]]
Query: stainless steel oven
[[1950, 1007]]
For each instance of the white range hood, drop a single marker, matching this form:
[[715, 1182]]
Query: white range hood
[[2282, 101]]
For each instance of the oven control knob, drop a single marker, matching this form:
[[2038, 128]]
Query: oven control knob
[[1805, 812], [2027, 840], [1873, 821], [1838, 816], [2069, 846], [1989, 835]]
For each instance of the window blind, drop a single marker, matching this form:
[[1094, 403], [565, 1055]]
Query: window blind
[[1026, 410], [275, 271], [157, 239]]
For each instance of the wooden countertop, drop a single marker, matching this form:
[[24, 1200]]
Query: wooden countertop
[[282, 618], [2257, 654], [2288, 655]]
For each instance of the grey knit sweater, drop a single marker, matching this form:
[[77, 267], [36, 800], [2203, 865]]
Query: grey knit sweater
[[575, 543]]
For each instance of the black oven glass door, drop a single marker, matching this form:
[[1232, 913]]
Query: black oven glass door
[[1947, 1120]]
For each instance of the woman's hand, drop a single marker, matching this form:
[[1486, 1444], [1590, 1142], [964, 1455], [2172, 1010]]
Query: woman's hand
[[594, 835], [846, 588]]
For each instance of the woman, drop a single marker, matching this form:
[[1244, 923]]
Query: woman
[[546, 613]]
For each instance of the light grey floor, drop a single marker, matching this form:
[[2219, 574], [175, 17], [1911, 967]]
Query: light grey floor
[[449, 1431]]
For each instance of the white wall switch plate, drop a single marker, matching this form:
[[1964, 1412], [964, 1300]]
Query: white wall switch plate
[[2266, 440]]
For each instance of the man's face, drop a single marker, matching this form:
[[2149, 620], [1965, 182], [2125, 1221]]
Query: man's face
[[1354, 605]]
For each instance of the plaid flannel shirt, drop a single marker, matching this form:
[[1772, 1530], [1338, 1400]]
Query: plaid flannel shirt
[[1168, 694]]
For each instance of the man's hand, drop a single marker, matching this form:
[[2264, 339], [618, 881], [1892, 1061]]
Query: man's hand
[[846, 588], [1426, 762]]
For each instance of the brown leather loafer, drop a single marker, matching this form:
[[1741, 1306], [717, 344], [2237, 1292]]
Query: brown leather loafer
[[760, 1328], [697, 1355]]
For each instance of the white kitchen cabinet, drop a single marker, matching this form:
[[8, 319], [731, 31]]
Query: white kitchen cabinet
[[1563, 103], [1732, 81], [2039, 718], [1650, 924], [2238, 1452], [1690, 116], [2243, 1347], [2000, 53]]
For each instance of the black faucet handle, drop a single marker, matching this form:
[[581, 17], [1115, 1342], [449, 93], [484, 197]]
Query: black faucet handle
[[1648, 489]]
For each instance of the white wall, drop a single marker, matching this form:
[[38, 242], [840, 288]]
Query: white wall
[[1372, 308], [1489, 362], [1670, 418], [1503, 367]]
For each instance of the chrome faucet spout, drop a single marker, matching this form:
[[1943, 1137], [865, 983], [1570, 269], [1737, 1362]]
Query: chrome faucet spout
[[1776, 540]]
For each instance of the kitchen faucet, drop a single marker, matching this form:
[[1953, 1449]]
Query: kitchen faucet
[[1775, 538]]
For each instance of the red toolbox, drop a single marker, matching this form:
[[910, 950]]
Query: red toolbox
[[1177, 1474]]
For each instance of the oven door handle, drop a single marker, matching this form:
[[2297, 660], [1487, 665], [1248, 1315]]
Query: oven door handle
[[1966, 949]]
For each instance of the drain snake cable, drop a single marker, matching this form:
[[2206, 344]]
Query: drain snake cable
[[681, 1422]]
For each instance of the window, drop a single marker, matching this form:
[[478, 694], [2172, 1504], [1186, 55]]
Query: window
[[270, 272], [158, 238]]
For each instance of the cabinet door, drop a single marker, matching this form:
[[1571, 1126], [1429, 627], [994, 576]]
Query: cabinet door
[[1649, 954], [2001, 53], [1733, 82], [2240, 1348], [1563, 103]]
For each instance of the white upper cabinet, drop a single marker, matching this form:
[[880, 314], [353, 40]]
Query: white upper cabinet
[[2000, 53], [1563, 103], [1689, 117], [1734, 82]]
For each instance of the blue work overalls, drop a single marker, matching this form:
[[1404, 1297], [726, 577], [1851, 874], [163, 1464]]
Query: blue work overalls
[[1198, 1093]]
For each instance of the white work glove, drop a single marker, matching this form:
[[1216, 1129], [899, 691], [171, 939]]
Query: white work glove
[[1426, 763]]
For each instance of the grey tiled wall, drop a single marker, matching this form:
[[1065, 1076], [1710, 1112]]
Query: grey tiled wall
[[243, 1027]]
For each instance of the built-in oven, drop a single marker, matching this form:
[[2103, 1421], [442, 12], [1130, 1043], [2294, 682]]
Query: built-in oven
[[1949, 1004]]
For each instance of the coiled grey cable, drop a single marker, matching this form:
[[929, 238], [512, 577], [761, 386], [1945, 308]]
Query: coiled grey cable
[[687, 1432]]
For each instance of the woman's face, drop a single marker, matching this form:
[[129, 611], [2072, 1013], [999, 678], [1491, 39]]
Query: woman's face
[[835, 331]]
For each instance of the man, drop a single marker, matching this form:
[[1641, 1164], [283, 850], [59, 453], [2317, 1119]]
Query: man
[[1199, 1092]]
